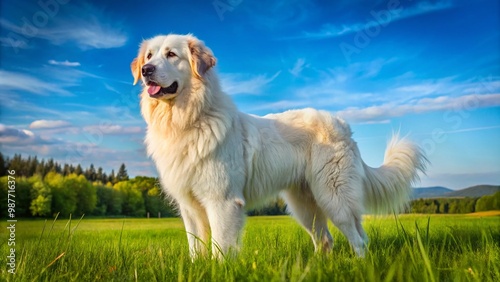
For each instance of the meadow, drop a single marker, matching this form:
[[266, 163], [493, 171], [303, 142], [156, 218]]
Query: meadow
[[406, 248]]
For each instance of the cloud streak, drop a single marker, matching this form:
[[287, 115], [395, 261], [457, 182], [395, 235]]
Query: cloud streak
[[82, 152], [24, 82], [11, 136], [235, 84], [87, 34], [48, 124], [81, 25], [113, 129], [443, 103], [300, 64], [381, 17], [65, 63]]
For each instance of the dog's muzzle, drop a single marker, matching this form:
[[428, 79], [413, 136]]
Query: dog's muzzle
[[156, 91]]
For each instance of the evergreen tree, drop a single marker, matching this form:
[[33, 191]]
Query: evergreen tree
[[71, 169], [57, 168], [112, 177], [78, 170], [32, 166], [26, 167], [92, 175], [50, 166], [3, 170], [66, 171], [99, 175], [122, 173], [16, 164], [39, 168]]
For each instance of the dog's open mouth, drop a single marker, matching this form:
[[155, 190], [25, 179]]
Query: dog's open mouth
[[156, 91]]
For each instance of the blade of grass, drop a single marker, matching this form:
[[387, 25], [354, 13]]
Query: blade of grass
[[425, 257]]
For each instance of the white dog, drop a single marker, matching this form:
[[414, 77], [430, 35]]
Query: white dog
[[216, 162]]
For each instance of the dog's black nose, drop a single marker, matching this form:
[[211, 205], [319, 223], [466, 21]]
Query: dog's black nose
[[147, 70]]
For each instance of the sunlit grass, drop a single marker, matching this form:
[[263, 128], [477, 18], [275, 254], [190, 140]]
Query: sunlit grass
[[412, 248]]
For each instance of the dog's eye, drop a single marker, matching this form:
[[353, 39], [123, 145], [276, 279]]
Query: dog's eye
[[149, 56], [171, 54]]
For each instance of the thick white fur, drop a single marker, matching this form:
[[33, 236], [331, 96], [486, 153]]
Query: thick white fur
[[216, 162]]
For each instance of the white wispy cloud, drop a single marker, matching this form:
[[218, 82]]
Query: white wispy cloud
[[443, 103], [300, 64], [462, 130], [15, 140], [64, 77], [387, 109], [48, 124], [10, 134], [378, 18], [18, 103], [280, 105], [353, 86], [446, 86], [82, 25], [471, 129], [113, 129], [87, 34], [360, 70], [234, 84], [20, 137], [25, 82], [334, 86], [111, 88], [65, 63], [13, 42]]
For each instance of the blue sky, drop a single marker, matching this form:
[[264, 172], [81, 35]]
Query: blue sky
[[428, 69]]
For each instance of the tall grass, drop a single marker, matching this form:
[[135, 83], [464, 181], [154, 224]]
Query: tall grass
[[409, 248]]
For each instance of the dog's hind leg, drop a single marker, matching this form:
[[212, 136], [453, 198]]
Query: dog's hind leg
[[337, 187], [303, 207], [345, 216]]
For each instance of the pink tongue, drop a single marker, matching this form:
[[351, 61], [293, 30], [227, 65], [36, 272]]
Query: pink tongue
[[153, 89]]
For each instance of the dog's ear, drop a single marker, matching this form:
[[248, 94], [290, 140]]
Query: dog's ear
[[137, 63], [202, 58]]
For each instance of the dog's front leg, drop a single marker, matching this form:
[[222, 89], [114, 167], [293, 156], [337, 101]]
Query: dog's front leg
[[197, 228], [226, 218]]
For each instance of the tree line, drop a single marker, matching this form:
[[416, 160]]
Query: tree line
[[32, 166], [456, 205], [38, 196], [46, 188]]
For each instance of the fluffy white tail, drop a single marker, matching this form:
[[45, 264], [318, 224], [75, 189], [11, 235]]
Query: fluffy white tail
[[389, 187]]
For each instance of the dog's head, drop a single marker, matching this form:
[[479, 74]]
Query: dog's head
[[168, 64]]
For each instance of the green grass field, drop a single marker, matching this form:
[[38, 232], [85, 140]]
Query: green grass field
[[413, 248]]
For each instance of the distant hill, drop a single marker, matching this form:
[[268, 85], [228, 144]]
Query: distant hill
[[474, 191], [430, 192], [443, 192]]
